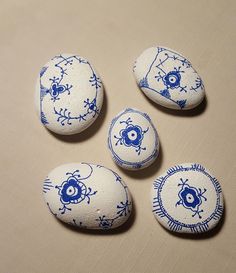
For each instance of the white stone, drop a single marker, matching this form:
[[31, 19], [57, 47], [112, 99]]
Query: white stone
[[88, 196], [133, 140], [187, 199], [168, 78], [69, 94]]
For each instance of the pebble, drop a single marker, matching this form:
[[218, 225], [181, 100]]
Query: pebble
[[168, 78], [187, 199], [133, 140], [69, 94], [87, 196]]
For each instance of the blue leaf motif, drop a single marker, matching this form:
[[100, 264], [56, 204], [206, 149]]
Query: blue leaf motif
[[165, 93], [43, 118], [43, 70], [181, 103], [143, 83]]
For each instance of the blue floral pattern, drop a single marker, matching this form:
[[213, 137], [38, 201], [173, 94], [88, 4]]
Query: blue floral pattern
[[169, 77], [74, 191], [104, 222], [131, 136], [57, 88], [191, 198], [172, 79]]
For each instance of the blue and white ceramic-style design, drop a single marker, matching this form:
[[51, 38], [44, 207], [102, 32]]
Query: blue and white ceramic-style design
[[168, 78], [187, 199], [133, 140], [69, 94], [87, 195]]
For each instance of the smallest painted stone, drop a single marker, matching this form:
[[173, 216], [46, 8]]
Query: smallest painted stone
[[133, 140], [168, 78]]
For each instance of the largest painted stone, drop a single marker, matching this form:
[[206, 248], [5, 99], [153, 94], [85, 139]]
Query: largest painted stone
[[168, 78], [87, 196]]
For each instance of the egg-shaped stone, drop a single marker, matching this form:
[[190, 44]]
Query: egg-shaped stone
[[133, 140], [87, 196], [69, 94], [187, 198], [168, 78]]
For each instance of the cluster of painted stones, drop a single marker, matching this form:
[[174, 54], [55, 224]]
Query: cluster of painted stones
[[187, 198]]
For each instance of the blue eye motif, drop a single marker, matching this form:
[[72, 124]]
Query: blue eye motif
[[74, 191]]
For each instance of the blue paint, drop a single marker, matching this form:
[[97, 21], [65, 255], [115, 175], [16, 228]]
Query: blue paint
[[77, 223], [47, 185], [74, 191], [171, 79], [57, 89], [189, 197], [43, 92], [131, 136], [55, 214]]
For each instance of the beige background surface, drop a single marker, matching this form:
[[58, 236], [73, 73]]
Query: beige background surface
[[111, 34]]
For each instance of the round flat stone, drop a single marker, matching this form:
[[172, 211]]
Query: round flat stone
[[87, 196], [187, 199], [69, 94], [133, 140], [168, 78]]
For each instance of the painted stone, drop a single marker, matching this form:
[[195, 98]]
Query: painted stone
[[87, 196], [69, 94], [168, 78], [187, 199], [133, 140]]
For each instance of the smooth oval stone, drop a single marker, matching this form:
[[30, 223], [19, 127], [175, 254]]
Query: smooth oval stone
[[133, 140], [168, 78], [187, 199], [87, 196], [69, 94]]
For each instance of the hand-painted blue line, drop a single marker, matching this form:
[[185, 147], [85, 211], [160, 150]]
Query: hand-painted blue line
[[152, 89], [152, 65]]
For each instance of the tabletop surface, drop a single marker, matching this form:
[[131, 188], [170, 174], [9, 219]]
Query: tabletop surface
[[111, 34]]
